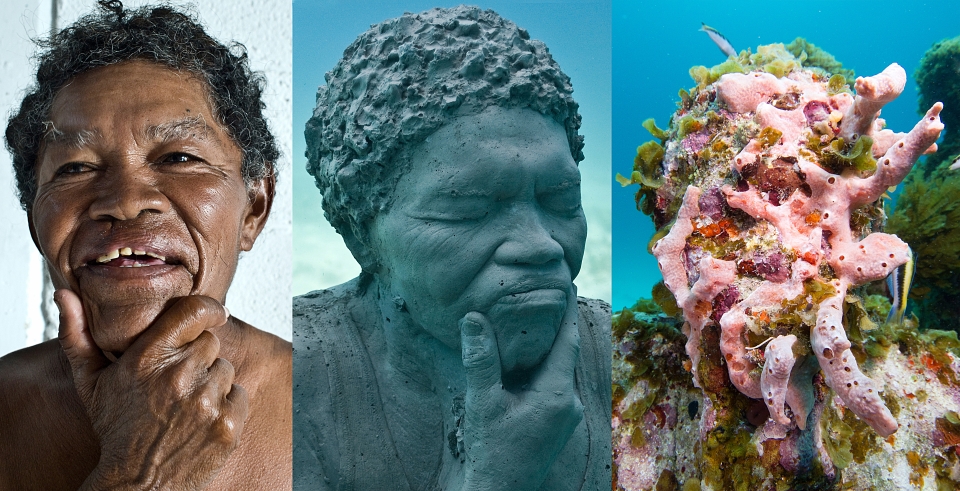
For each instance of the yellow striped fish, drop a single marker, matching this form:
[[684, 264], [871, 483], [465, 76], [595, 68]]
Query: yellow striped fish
[[899, 285]]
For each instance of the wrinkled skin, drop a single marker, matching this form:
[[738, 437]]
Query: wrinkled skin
[[481, 243], [152, 385]]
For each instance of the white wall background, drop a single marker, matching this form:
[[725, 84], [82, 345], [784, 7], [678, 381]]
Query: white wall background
[[261, 291]]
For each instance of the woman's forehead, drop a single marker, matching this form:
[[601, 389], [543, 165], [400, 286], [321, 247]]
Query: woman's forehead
[[149, 100]]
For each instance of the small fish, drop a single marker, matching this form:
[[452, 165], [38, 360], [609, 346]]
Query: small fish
[[899, 285], [956, 163], [718, 38]]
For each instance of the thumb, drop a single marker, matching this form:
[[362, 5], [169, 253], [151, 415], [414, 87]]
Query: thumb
[[481, 357], [86, 359]]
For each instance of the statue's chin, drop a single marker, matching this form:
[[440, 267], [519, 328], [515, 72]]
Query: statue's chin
[[526, 326]]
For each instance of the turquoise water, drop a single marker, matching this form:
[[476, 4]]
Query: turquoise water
[[655, 44], [577, 32]]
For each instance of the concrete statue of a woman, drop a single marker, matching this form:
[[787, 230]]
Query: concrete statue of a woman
[[445, 145]]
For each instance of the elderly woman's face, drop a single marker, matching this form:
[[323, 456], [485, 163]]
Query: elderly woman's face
[[141, 197], [487, 219]]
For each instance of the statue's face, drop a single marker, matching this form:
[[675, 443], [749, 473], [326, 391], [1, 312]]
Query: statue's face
[[487, 219], [141, 197]]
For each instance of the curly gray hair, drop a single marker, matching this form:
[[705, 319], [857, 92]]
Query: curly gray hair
[[399, 82]]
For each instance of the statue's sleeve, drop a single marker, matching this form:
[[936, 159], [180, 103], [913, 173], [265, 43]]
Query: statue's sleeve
[[315, 445]]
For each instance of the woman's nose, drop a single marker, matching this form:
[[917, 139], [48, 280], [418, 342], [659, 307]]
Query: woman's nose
[[126, 192], [529, 240]]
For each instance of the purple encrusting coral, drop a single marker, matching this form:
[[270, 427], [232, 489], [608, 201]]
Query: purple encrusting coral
[[816, 111], [772, 267], [712, 202], [696, 141]]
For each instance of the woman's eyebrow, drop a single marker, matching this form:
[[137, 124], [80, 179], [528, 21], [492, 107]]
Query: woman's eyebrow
[[77, 139], [194, 127]]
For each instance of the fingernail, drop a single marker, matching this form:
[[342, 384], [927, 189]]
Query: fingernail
[[56, 300], [471, 328], [227, 311]]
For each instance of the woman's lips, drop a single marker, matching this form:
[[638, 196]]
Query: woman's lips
[[131, 262], [130, 257]]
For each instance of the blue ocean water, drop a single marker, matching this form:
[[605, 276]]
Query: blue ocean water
[[656, 43], [577, 32]]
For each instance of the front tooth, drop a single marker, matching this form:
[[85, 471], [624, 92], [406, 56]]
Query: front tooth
[[126, 251], [137, 265], [140, 253], [109, 256]]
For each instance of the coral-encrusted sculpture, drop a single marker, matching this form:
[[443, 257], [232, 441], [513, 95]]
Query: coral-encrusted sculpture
[[774, 184]]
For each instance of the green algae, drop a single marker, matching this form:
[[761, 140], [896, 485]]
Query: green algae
[[942, 466], [928, 209], [687, 125], [811, 56], [651, 126], [837, 442], [847, 438], [665, 300], [927, 216], [937, 81], [646, 172], [704, 76], [667, 481], [769, 137], [836, 84], [837, 156], [818, 290]]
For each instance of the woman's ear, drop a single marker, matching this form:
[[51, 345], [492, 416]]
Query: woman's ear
[[260, 194]]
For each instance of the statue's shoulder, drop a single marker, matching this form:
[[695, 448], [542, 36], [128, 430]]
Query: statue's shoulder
[[595, 315], [322, 311], [320, 304]]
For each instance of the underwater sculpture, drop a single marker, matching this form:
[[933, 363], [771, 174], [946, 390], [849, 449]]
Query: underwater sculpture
[[791, 199], [446, 145]]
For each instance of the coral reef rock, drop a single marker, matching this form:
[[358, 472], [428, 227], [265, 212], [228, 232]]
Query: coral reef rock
[[766, 191]]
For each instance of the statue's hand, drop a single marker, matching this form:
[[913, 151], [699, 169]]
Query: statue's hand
[[512, 438], [167, 413]]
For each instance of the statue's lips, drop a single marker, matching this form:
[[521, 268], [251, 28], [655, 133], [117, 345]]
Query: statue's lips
[[538, 298]]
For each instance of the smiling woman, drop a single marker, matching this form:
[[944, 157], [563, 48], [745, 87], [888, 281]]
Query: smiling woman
[[124, 167], [145, 166]]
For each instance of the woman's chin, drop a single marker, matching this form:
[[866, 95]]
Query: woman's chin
[[114, 330]]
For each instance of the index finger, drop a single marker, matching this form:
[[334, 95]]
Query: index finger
[[180, 324]]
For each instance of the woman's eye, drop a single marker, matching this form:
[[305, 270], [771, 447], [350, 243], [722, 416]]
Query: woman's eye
[[72, 168], [177, 158]]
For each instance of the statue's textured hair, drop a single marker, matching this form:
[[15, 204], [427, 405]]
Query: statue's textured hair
[[158, 34], [399, 82]]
